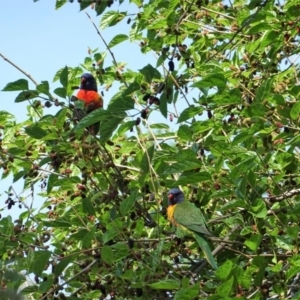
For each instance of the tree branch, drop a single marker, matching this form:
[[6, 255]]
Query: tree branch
[[18, 68]]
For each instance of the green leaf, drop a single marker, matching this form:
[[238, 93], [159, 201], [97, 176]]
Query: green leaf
[[168, 284], [59, 223], [64, 77], [51, 182], [39, 260], [295, 111], [87, 207], [212, 80], [61, 92], [150, 73], [109, 125], [117, 40], [259, 209], [185, 133], [187, 293], [87, 240], [253, 242], [147, 159], [107, 255], [19, 85], [127, 203], [35, 131], [60, 267], [225, 288], [224, 271], [111, 18], [43, 87], [193, 178], [189, 113], [26, 95], [60, 3], [120, 103], [263, 90]]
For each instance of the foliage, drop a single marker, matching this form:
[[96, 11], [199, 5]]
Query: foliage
[[227, 73]]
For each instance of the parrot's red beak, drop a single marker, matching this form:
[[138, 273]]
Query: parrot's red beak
[[83, 79]]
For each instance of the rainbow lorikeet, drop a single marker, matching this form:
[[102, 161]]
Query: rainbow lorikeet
[[88, 93], [188, 219]]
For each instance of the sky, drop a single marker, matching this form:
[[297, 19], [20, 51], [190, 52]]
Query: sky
[[41, 40]]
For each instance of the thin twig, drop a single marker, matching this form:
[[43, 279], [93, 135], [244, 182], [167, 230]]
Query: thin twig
[[18, 68]]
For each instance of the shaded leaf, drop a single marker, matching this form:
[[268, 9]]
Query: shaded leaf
[[127, 203], [107, 255], [19, 85], [167, 284], [117, 40]]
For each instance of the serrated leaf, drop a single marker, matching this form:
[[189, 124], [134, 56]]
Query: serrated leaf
[[193, 178], [51, 182], [107, 255], [19, 85], [87, 240], [263, 90], [120, 103], [63, 78], [59, 223], [147, 159], [224, 271], [127, 203], [39, 261], [61, 92], [59, 268], [225, 288], [117, 40], [43, 87], [150, 73], [88, 207], [167, 284], [108, 126], [253, 242], [211, 80], [35, 131], [26, 95], [189, 113], [60, 3], [111, 18], [295, 110], [187, 293]]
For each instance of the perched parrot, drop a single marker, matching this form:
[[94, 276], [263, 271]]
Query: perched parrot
[[88, 93], [188, 219]]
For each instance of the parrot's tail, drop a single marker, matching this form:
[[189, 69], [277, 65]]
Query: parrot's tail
[[206, 250]]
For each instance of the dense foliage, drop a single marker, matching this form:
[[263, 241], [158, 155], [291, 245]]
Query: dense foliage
[[227, 74]]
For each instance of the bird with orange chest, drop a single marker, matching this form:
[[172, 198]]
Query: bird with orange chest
[[88, 93], [189, 220]]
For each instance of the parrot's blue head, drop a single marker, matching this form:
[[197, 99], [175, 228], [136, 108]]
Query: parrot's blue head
[[88, 82], [175, 196]]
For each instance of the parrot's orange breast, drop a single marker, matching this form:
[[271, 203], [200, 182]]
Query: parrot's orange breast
[[89, 97]]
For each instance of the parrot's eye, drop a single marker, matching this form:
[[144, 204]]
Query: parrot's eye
[[171, 196]]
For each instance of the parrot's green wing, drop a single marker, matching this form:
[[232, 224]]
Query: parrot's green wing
[[206, 250], [189, 216]]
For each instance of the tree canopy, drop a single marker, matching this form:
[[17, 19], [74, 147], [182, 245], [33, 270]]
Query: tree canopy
[[225, 85]]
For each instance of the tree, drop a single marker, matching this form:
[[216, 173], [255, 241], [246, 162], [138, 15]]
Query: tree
[[102, 228]]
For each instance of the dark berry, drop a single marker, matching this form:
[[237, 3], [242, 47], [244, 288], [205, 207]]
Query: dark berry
[[138, 121], [48, 104], [130, 243], [146, 97], [144, 113], [171, 66]]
